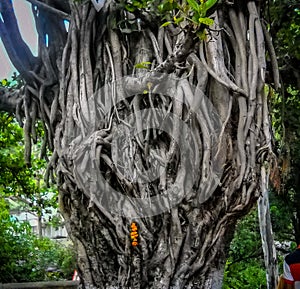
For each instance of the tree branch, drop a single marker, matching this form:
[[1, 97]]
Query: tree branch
[[50, 9], [18, 51], [9, 99]]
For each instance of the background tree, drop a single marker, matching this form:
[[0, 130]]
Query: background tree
[[285, 105], [245, 264], [24, 256], [18, 181], [284, 208], [155, 113], [285, 29]]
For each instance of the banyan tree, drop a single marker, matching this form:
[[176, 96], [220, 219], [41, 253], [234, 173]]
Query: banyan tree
[[156, 117]]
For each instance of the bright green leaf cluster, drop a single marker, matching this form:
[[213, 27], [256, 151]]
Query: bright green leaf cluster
[[191, 12], [143, 65]]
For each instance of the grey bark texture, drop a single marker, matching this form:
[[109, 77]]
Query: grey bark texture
[[148, 125], [266, 232]]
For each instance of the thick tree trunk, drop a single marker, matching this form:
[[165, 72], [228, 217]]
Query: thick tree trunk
[[176, 256], [103, 163], [153, 126]]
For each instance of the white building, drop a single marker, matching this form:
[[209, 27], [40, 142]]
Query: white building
[[47, 230]]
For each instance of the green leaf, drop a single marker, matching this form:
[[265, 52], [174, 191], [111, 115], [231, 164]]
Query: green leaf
[[167, 6], [130, 8], [160, 7], [143, 65], [137, 4], [210, 3], [195, 18], [178, 20], [206, 21], [266, 89], [4, 82], [201, 35], [166, 24], [140, 66], [193, 4]]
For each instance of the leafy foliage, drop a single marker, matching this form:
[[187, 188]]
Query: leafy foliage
[[246, 275], [245, 264], [285, 30], [244, 267], [16, 178], [286, 112], [188, 12], [286, 123], [24, 257]]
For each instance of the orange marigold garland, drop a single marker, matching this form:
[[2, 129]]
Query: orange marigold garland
[[134, 234]]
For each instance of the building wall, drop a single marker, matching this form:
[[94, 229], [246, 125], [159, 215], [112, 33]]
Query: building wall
[[47, 230]]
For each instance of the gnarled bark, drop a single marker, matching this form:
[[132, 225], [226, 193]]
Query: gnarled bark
[[176, 148]]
